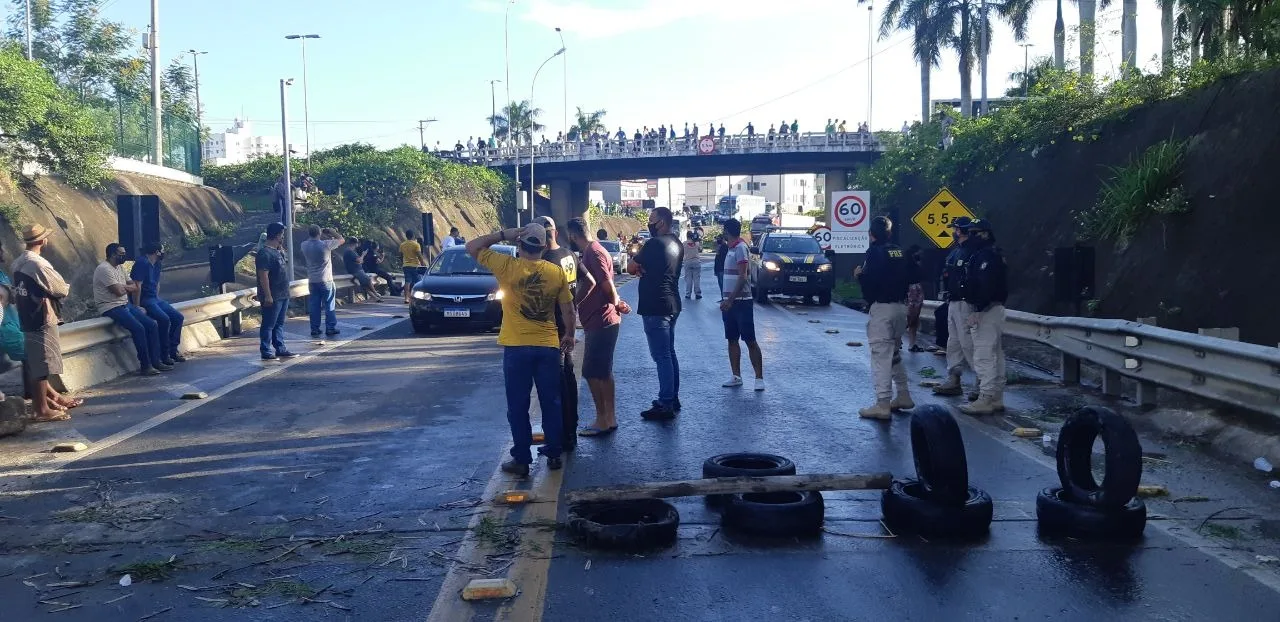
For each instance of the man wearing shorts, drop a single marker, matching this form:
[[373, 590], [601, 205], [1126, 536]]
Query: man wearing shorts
[[601, 311], [737, 309], [415, 264], [354, 264]]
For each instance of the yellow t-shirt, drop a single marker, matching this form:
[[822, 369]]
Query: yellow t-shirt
[[531, 291], [411, 254]]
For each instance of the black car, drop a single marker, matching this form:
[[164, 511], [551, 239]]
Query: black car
[[791, 263], [457, 291]]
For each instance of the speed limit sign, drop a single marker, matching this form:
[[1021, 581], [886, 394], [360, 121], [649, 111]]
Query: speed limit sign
[[823, 236], [706, 145], [850, 221]]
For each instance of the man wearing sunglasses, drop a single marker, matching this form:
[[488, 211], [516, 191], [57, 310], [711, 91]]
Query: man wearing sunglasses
[[111, 291]]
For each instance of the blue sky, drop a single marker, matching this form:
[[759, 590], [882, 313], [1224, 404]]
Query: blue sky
[[383, 64]]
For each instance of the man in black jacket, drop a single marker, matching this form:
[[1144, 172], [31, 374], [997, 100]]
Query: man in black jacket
[[985, 290], [959, 341], [884, 280]]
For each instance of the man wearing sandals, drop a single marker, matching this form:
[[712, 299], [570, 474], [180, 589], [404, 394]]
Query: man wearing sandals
[[601, 310], [39, 291]]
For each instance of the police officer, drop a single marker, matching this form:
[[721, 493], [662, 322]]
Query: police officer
[[959, 341], [883, 278], [985, 290]]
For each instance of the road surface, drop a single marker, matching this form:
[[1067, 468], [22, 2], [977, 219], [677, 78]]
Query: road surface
[[352, 484]]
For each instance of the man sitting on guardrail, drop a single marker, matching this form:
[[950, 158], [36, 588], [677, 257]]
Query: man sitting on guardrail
[[111, 291], [146, 275]]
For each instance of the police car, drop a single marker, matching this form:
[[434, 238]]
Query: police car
[[790, 262]]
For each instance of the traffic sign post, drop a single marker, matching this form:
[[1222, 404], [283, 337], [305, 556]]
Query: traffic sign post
[[823, 236], [935, 218], [850, 221]]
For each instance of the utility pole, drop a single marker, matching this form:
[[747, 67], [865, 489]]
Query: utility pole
[[565, 61], [422, 137], [157, 110], [195, 64], [30, 55], [1026, 79], [982, 58], [288, 174], [493, 104], [871, 64]]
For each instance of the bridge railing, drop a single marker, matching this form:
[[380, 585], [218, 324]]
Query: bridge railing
[[614, 148], [1240, 374]]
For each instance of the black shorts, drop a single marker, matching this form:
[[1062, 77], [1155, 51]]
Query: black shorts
[[740, 321], [597, 351]]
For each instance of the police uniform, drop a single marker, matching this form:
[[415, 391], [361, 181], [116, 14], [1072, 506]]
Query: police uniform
[[985, 292], [884, 282], [959, 341]]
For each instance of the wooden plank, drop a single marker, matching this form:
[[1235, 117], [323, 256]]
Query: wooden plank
[[731, 485]]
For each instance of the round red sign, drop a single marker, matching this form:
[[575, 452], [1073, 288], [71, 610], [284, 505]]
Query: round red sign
[[706, 145], [850, 211]]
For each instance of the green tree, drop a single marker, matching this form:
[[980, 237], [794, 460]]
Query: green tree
[[40, 122], [927, 37], [518, 120], [1021, 84], [588, 123]]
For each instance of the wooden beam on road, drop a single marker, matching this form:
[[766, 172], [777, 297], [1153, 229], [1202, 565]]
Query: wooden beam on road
[[731, 485]]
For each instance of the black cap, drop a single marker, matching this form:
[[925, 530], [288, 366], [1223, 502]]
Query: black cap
[[274, 229], [961, 223], [979, 224]]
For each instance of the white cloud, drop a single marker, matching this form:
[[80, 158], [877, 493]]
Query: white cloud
[[588, 19]]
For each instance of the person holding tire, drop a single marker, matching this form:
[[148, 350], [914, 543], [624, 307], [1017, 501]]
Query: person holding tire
[[959, 344], [985, 290], [883, 278]]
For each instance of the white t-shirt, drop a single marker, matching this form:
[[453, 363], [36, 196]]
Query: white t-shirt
[[738, 255], [104, 276], [450, 241]]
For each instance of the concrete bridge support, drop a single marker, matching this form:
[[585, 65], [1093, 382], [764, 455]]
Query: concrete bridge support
[[569, 199]]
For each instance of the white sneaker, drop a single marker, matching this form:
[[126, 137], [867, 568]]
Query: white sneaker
[[734, 381], [759, 384]]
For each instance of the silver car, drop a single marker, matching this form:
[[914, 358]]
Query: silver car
[[617, 253]]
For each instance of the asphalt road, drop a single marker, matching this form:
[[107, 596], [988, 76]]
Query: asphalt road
[[352, 484]]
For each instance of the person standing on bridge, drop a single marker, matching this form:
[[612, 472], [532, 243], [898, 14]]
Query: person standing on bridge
[[532, 350], [658, 266], [692, 266], [601, 310], [959, 340], [737, 310], [985, 291], [883, 278], [111, 290], [146, 274], [273, 295], [567, 262], [317, 250], [39, 291]]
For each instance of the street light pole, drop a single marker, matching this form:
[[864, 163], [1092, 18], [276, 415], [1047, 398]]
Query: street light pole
[[982, 54], [871, 65], [493, 104], [306, 109], [532, 188], [195, 64], [565, 60], [1026, 79], [153, 42], [506, 44], [288, 174], [422, 136]]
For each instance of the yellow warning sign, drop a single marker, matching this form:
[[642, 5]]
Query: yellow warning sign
[[934, 219]]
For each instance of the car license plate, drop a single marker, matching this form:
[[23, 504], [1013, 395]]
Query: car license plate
[[799, 279], [457, 312]]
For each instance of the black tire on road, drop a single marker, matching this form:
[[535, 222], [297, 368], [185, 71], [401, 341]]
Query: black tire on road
[[1075, 458], [824, 298], [420, 324], [743, 465], [938, 449], [775, 514], [635, 525], [1059, 516], [905, 508]]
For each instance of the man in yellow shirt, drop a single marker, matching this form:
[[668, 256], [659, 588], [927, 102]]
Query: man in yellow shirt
[[532, 348], [412, 259]]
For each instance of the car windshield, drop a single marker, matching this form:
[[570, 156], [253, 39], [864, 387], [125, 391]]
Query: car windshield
[[611, 246], [791, 244], [457, 262]]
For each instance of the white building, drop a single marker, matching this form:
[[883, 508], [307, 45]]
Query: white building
[[237, 145], [632, 193], [794, 193]]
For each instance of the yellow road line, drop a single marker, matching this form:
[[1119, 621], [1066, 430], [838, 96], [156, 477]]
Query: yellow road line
[[531, 569]]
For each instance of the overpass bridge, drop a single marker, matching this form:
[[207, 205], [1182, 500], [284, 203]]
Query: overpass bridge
[[568, 167]]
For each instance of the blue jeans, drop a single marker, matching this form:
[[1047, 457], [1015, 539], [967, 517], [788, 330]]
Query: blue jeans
[[322, 295], [271, 334], [146, 335], [660, 330], [524, 367], [168, 323]]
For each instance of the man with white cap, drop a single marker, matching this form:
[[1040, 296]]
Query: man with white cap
[[532, 349]]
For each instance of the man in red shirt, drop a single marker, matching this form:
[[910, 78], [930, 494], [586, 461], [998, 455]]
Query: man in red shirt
[[601, 310]]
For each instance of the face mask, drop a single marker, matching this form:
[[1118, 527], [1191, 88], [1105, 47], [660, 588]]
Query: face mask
[[653, 229]]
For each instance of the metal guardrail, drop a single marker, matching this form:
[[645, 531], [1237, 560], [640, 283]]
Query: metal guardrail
[[614, 149], [1240, 374], [86, 334]]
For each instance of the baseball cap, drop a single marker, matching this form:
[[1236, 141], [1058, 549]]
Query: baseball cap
[[546, 222], [274, 229], [961, 223], [534, 235]]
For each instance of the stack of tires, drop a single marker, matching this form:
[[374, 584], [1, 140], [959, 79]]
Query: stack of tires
[[1081, 507], [939, 502], [769, 514]]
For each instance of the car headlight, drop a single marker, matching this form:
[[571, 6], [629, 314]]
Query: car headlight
[[494, 296], [771, 265], [421, 295], [825, 267]]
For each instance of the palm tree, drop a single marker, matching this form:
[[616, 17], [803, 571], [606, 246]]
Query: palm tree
[[518, 120], [587, 123], [1021, 84], [1129, 36], [1060, 41], [1166, 35], [1088, 32], [927, 38]]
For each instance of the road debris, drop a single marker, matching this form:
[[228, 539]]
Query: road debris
[[126, 580], [1027, 432], [69, 447], [815, 321], [195, 395], [1267, 559], [833, 331], [152, 615], [854, 344], [1262, 464], [1154, 490], [117, 599], [487, 589]]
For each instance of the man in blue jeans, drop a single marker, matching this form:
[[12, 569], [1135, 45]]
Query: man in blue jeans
[[532, 347], [146, 275], [111, 291], [317, 250], [658, 264], [273, 295]]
